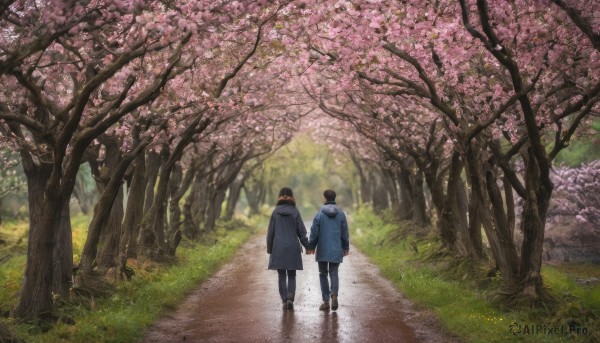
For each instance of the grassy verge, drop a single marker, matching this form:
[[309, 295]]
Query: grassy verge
[[132, 305], [461, 296]]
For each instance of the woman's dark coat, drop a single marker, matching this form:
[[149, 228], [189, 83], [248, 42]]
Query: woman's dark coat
[[286, 233]]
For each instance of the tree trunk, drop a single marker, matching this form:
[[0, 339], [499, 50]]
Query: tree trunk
[[419, 204], [389, 182], [108, 209], [152, 168], [152, 238], [254, 193], [35, 295], [407, 210], [365, 194], [262, 196], [486, 192], [160, 223], [152, 234], [178, 188], [435, 185], [448, 222], [502, 228], [201, 202], [234, 194], [134, 211], [110, 251], [155, 217], [63, 256], [190, 228], [510, 206], [441, 202], [99, 222], [533, 220], [462, 224], [50, 186], [475, 222], [379, 194], [214, 210]]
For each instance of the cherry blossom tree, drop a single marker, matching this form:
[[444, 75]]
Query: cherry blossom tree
[[494, 75], [87, 68], [577, 192]]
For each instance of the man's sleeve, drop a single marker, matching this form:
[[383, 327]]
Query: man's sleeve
[[314, 232], [270, 235], [345, 236]]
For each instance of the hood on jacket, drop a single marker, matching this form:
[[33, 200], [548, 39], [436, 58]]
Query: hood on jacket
[[285, 209], [330, 210]]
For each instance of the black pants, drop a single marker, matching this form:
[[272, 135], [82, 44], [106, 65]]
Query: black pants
[[287, 290]]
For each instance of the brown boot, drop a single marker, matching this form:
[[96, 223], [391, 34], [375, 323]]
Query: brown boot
[[324, 307], [334, 302]]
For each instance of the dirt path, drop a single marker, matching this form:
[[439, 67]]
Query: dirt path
[[241, 304]]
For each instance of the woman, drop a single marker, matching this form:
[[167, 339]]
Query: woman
[[286, 232]]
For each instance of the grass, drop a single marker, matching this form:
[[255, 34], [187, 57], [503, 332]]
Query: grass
[[461, 296], [132, 305], [12, 256]]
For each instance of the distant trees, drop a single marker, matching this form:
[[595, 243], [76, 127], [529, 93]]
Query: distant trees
[[578, 192]]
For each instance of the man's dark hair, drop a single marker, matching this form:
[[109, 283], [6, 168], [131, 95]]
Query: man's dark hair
[[329, 195]]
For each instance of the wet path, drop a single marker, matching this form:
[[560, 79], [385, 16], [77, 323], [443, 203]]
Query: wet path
[[241, 304]]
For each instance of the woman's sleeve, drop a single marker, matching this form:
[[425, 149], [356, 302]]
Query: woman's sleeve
[[301, 230], [271, 235]]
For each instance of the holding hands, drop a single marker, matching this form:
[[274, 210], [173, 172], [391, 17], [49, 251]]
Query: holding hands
[[312, 252]]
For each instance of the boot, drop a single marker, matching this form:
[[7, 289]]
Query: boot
[[334, 302], [324, 306]]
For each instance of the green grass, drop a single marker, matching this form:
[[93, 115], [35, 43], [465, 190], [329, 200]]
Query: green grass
[[458, 296], [133, 305], [579, 151], [12, 255]]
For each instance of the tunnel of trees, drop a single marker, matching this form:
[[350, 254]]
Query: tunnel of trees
[[452, 113]]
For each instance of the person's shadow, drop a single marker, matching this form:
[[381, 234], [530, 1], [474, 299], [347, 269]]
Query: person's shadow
[[329, 328], [288, 323]]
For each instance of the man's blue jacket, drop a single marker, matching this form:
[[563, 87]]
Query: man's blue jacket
[[329, 234]]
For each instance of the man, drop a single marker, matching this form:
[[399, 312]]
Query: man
[[329, 236]]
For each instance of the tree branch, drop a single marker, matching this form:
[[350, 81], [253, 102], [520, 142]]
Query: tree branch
[[28, 122], [239, 66], [435, 99], [581, 23]]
